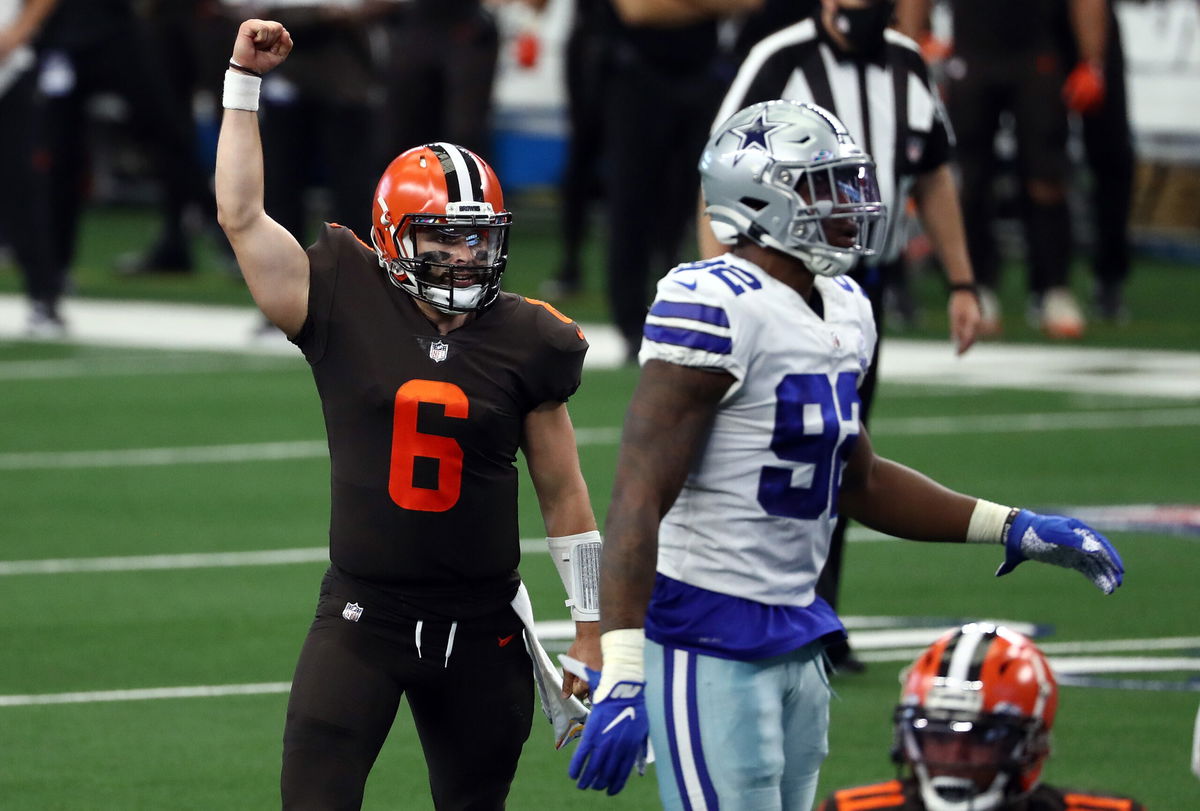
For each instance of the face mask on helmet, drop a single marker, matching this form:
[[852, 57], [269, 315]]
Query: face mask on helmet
[[439, 228], [454, 267], [967, 761], [786, 175], [974, 719]]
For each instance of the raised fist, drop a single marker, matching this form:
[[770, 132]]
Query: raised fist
[[261, 45]]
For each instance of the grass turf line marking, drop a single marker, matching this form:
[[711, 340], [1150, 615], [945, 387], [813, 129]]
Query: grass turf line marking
[[314, 449], [154, 457], [140, 367], [96, 696], [137, 563], [1019, 423], [1080, 666], [263, 557]]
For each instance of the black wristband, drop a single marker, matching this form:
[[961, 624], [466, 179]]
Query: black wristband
[[965, 287], [1008, 522], [240, 69]]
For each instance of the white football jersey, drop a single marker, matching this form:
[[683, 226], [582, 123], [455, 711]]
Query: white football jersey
[[754, 517]]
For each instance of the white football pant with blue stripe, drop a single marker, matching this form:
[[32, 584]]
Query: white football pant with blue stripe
[[734, 735]]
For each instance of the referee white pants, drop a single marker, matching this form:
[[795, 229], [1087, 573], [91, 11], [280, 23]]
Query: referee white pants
[[737, 736]]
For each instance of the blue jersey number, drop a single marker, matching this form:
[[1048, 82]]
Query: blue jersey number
[[813, 441]]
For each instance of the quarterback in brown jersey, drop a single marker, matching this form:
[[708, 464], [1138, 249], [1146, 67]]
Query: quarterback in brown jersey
[[972, 730], [431, 380]]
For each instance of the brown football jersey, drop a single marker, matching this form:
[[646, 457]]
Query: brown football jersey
[[424, 428], [904, 795]]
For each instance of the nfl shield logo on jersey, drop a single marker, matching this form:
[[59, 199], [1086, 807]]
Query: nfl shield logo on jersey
[[438, 350], [352, 612]]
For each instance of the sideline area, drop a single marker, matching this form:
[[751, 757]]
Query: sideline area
[[1041, 367]]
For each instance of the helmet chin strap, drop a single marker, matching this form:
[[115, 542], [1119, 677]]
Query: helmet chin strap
[[824, 264], [468, 301]]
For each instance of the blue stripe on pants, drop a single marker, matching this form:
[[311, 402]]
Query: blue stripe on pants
[[741, 736], [686, 750]]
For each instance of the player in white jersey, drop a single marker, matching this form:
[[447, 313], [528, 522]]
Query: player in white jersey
[[791, 410], [741, 444]]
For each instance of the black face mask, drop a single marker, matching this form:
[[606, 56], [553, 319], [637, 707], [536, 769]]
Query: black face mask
[[863, 27]]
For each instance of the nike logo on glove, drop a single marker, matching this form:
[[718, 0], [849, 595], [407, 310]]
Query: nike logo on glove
[[504, 640], [626, 714]]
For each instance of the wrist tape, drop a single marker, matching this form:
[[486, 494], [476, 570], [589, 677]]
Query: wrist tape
[[241, 91], [577, 558], [624, 656], [989, 522]]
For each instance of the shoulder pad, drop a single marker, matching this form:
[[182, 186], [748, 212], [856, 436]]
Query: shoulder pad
[[561, 331], [844, 283], [335, 238], [714, 278]]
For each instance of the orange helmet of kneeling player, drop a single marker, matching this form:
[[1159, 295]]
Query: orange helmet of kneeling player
[[974, 718], [439, 227]]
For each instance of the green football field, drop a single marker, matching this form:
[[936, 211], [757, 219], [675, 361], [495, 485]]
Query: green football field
[[162, 518]]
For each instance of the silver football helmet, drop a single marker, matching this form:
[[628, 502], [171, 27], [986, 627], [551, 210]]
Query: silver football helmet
[[786, 175]]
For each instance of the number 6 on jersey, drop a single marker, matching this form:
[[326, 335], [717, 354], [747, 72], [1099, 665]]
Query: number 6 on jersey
[[409, 444]]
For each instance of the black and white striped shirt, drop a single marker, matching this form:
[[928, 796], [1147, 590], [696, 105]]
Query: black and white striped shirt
[[888, 104]]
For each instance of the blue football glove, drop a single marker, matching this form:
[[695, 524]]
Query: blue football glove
[[1065, 542], [614, 737]]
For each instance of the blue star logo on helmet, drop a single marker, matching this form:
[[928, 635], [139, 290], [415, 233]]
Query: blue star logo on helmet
[[757, 133]]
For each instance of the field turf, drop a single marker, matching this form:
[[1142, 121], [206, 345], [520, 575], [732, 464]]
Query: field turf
[[139, 623]]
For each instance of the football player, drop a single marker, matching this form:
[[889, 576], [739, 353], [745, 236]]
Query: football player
[[741, 445], [972, 732], [431, 379]]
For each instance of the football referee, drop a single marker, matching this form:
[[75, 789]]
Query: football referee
[[845, 59]]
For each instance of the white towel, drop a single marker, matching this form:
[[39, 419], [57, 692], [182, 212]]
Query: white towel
[[566, 714]]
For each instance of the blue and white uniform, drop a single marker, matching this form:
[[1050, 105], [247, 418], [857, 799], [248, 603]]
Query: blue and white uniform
[[734, 618]]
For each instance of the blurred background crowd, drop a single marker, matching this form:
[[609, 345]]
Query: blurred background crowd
[[1077, 141]]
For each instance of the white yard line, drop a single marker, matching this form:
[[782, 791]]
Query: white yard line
[[160, 363], [97, 696], [1021, 423], [192, 560], [1122, 645], [1073, 665], [312, 449], [153, 457], [261, 557], [905, 644]]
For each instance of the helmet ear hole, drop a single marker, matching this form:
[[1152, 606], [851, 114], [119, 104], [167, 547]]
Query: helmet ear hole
[[754, 204]]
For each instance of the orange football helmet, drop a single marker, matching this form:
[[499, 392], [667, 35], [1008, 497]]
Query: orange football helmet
[[974, 718], [439, 227]]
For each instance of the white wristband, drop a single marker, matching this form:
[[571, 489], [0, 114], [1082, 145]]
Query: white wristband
[[624, 652], [577, 559], [241, 91], [987, 522]]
